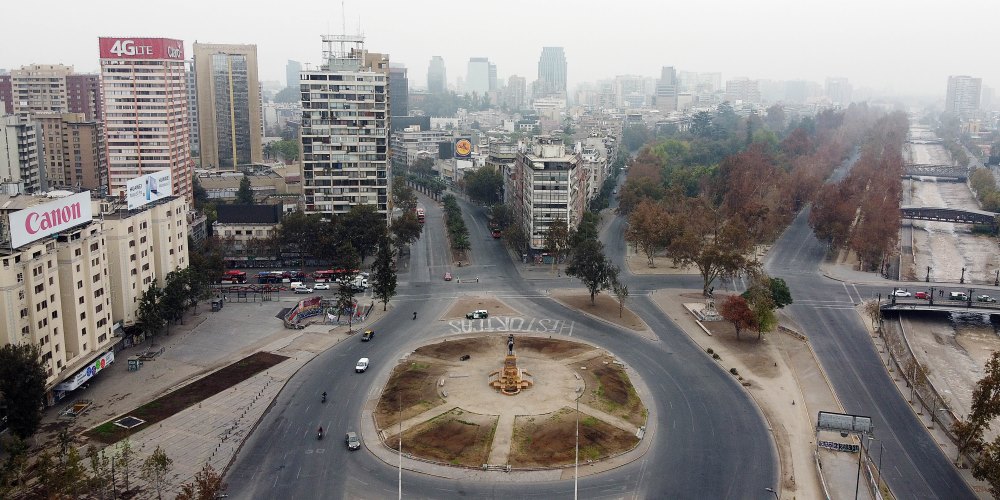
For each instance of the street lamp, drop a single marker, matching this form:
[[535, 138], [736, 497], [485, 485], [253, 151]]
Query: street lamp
[[928, 278], [962, 280], [775, 493]]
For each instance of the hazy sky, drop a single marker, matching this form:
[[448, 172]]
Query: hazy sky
[[909, 46]]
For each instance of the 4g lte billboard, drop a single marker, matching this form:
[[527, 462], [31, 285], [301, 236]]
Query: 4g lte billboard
[[141, 48]]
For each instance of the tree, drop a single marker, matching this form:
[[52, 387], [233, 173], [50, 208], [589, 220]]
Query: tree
[[288, 95], [758, 297], [501, 215], [384, 272], [364, 226], [155, 469], [588, 263], [557, 239], [22, 387], [984, 408], [404, 197], [516, 237], [715, 245], [780, 293], [348, 261], [485, 185], [100, 472], [406, 228], [736, 311], [175, 295], [287, 149], [423, 166], [648, 228], [125, 461], [207, 485], [244, 196], [620, 290], [150, 313]]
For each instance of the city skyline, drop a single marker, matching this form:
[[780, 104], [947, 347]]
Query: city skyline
[[875, 46]]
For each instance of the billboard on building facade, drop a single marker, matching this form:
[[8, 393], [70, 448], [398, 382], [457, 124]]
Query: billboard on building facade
[[463, 147], [42, 220], [141, 48], [148, 188]]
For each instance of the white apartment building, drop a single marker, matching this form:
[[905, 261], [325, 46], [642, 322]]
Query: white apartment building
[[547, 185], [412, 143], [144, 84], [39, 88], [345, 129], [20, 155]]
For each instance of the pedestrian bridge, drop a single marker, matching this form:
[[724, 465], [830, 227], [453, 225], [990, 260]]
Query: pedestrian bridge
[[940, 171], [953, 215]]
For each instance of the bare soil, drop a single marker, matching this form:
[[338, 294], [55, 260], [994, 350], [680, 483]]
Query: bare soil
[[410, 391], [604, 307], [174, 402], [553, 348], [450, 350], [550, 440], [467, 304], [609, 389], [457, 437]]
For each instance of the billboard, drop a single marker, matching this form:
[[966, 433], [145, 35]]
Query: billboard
[[148, 188], [42, 220], [463, 147], [141, 48]]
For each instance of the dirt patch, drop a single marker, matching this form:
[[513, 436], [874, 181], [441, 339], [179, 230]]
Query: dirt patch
[[470, 303], [604, 307], [457, 437], [609, 389], [553, 348], [410, 391], [450, 350], [174, 402], [550, 440], [750, 350]]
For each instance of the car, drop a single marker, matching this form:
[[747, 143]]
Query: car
[[321, 286], [922, 295], [957, 296], [303, 289], [496, 234], [477, 314], [447, 276], [365, 337], [353, 443], [985, 298], [361, 366], [901, 293]]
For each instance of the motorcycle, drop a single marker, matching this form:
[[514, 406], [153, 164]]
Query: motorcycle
[[324, 398], [414, 314], [319, 434]]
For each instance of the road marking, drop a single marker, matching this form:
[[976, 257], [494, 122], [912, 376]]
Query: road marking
[[513, 324]]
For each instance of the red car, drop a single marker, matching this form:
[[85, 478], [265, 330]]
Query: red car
[[922, 295], [447, 276]]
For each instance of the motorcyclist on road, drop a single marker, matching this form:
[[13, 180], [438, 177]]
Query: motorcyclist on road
[[324, 396], [414, 314], [319, 434]]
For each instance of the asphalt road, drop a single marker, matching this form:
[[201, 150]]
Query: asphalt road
[[710, 440]]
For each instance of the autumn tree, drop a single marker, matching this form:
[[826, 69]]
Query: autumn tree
[[125, 462], [715, 245], [969, 432], [648, 229], [207, 485], [620, 290], [557, 239], [155, 469], [736, 311], [761, 302]]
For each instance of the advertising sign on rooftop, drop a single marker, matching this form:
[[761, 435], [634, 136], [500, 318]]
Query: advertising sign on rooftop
[[148, 188], [42, 220], [141, 48]]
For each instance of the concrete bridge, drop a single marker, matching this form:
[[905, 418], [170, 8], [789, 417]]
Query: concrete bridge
[[941, 305], [953, 215], [941, 171]]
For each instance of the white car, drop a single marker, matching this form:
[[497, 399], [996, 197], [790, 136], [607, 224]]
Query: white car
[[902, 293], [361, 366], [321, 286], [303, 289]]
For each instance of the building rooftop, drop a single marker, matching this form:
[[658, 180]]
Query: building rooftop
[[249, 214]]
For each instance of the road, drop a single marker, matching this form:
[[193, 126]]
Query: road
[[709, 439]]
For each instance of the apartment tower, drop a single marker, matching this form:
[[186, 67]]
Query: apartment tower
[[963, 97], [229, 117], [143, 83]]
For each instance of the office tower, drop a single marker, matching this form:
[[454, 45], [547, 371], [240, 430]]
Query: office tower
[[838, 90], [743, 89], [478, 76], [345, 128], [292, 70], [74, 151], [228, 105], [399, 90], [963, 97], [143, 82], [552, 71], [437, 76], [191, 82], [514, 94], [666, 89], [20, 156], [493, 76]]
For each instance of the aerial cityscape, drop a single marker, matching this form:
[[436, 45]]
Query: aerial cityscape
[[444, 250]]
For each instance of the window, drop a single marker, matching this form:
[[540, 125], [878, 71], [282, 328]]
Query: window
[[55, 314], [81, 300], [20, 277], [39, 288], [83, 316], [20, 294], [79, 285]]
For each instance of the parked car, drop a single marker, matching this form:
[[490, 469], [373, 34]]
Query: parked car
[[361, 366], [321, 286], [447, 276], [902, 293], [985, 298], [477, 314], [922, 295], [303, 289], [352, 441], [365, 337]]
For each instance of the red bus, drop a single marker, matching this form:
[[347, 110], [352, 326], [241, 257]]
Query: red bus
[[420, 215], [234, 276], [330, 275]]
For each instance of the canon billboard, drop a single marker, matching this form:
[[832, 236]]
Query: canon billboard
[[141, 48], [49, 218]]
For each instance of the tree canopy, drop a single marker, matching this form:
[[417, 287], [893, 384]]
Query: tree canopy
[[588, 263], [22, 387], [244, 196]]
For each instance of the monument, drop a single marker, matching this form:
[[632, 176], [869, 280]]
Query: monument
[[511, 379]]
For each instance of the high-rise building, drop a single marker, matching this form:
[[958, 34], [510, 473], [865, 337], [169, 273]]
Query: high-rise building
[[437, 76], [229, 118], [478, 78], [191, 82], [666, 89], [345, 128], [514, 94], [40, 88], [493, 76], [743, 89], [20, 156], [6, 94], [552, 72], [143, 82], [963, 97], [83, 92], [548, 184], [74, 151], [292, 70], [399, 90], [838, 90]]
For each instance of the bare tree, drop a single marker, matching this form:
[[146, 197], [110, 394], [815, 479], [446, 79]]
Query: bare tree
[[155, 469]]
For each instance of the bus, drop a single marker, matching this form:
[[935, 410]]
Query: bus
[[330, 275], [420, 215], [234, 277], [269, 277]]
